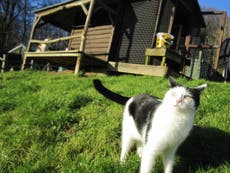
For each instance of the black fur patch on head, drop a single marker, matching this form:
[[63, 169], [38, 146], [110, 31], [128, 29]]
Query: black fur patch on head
[[172, 82], [195, 95]]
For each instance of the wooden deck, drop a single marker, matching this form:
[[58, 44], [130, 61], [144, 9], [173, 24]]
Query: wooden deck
[[137, 68], [96, 48]]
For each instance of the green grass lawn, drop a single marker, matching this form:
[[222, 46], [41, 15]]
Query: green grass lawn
[[59, 123]]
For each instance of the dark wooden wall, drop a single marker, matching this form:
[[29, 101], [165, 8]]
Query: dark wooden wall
[[137, 24]]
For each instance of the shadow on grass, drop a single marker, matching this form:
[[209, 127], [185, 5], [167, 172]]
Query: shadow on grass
[[204, 148], [79, 102]]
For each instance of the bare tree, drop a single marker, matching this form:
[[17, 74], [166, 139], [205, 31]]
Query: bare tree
[[9, 11], [16, 19]]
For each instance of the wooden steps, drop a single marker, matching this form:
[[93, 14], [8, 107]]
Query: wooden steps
[[137, 68]]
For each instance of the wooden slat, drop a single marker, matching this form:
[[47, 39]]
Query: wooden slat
[[53, 54], [138, 69], [92, 45], [89, 43], [95, 29], [101, 27], [96, 51], [155, 52], [98, 41], [70, 53], [103, 36], [96, 32], [58, 51], [54, 40], [95, 39]]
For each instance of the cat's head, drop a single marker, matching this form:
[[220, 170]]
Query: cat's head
[[181, 97]]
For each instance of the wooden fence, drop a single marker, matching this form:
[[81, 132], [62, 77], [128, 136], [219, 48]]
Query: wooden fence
[[3, 62]]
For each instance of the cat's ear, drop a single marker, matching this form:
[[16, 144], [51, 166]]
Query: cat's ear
[[200, 88], [172, 82], [197, 90]]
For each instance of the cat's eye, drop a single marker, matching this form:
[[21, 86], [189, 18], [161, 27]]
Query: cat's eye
[[173, 93], [187, 96]]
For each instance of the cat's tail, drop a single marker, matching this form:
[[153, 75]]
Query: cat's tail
[[109, 94]]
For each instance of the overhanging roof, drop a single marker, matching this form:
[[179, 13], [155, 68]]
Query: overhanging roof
[[193, 9], [68, 14], [72, 2], [63, 15]]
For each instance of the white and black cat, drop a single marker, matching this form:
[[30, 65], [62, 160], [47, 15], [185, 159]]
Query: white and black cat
[[157, 127]]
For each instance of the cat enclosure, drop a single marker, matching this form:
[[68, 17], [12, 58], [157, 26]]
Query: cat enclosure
[[117, 35], [205, 53]]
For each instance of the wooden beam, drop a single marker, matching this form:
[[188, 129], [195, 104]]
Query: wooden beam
[[179, 37], [172, 15], [164, 53], [63, 7], [156, 24], [200, 46], [83, 39], [155, 52], [53, 54], [187, 43], [36, 21], [221, 36], [55, 40], [214, 12], [137, 69], [84, 9]]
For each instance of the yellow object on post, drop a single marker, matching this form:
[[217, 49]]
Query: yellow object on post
[[164, 40]]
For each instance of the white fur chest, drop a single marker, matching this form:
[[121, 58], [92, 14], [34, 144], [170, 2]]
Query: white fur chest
[[170, 127]]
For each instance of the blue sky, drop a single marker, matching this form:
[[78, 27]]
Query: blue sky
[[222, 5]]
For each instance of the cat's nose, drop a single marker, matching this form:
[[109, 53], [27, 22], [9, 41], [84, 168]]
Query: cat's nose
[[178, 101]]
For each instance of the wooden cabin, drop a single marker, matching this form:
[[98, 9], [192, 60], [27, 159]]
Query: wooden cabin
[[117, 34], [12, 59]]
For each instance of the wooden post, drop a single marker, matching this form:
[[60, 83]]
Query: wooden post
[[3, 59], [222, 25], [179, 37], [157, 22], [83, 39], [173, 11], [187, 43], [36, 20], [31, 64], [193, 63]]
